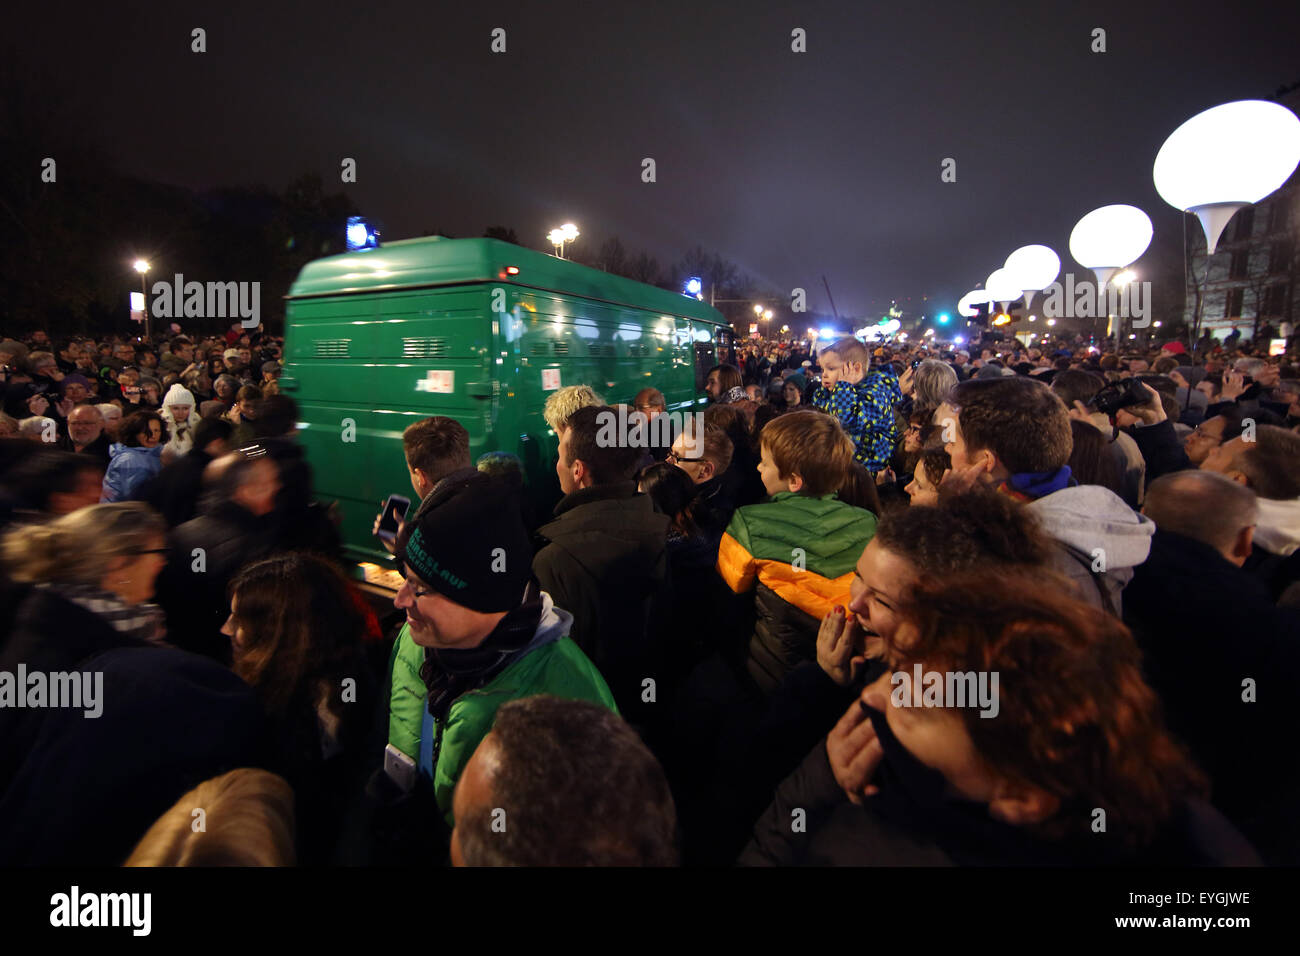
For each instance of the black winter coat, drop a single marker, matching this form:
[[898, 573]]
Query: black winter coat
[[45, 633], [1205, 627], [606, 563], [194, 594], [840, 833]]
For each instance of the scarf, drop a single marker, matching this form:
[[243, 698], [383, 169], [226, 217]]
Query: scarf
[[451, 672], [143, 622], [1032, 485]]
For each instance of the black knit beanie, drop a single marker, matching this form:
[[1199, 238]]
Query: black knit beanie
[[472, 547]]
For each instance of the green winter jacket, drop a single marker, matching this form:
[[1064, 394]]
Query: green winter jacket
[[552, 664]]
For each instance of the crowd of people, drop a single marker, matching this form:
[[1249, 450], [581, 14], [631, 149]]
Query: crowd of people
[[876, 604]]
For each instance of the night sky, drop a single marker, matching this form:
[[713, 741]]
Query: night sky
[[792, 165]]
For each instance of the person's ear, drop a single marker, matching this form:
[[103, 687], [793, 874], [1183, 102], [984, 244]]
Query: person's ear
[[795, 482], [1020, 805], [707, 470], [1243, 544]]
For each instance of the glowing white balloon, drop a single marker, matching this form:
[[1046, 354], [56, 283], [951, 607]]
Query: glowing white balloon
[[1109, 238], [1225, 158], [1036, 267], [966, 304], [1002, 286]]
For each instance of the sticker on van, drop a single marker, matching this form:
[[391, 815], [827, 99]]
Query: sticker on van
[[550, 379], [440, 383]]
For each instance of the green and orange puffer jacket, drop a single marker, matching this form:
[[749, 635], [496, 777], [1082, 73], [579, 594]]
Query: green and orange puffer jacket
[[798, 554]]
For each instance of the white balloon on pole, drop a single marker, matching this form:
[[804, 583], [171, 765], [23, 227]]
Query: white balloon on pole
[[1002, 286], [1110, 238], [966, 304], [1036, 267], [1226, 158]]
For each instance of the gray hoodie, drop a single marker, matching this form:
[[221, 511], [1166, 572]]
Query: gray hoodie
[[1103, 540]]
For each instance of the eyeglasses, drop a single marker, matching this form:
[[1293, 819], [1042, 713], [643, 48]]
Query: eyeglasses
[[677, 459], [417, 592]]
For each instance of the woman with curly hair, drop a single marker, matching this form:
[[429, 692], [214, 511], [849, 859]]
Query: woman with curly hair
[[1013, 727]]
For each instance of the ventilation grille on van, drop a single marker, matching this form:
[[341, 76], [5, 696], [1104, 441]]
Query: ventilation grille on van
[[601, 349], [638, 350], [424, 348], [333, 348], [561, 348]]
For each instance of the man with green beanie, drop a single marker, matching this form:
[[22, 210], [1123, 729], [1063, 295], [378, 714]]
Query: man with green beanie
[[479, 632]]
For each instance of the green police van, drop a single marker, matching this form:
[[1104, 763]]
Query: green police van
[[479, 330]]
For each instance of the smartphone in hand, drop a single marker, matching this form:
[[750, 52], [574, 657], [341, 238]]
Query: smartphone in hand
[[395, 509]]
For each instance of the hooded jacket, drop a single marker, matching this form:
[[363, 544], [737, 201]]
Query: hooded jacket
[[1275, 559], [1102, 538], [129, 467], [182, 432], [757, 552], [551, 663], [866, 410]]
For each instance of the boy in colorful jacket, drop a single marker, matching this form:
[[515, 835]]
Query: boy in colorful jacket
[[862, 400], [797, 550]]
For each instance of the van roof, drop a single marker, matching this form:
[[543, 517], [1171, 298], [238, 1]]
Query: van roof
[[434, 261]]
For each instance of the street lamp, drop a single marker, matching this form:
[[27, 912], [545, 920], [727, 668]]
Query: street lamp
[[142, 266], [566, 233]]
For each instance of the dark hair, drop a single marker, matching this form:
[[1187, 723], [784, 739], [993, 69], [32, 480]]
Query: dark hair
[[1090, 459], [607, 462], [578, 788], [209, 430], [1076, 385], [302, 632], [672, 492], [47, 472], [729, 377], [936, 463], [1076, 718], [1019, 419], [1271, 463], [964, 530], [437, 446], [277, 415], [859, 489], [136, 424]]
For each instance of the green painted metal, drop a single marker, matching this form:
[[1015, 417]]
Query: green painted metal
[[381, 338]]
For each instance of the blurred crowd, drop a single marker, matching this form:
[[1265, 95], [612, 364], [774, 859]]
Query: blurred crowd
[[874, 604]]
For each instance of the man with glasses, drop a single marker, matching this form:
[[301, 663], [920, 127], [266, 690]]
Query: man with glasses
[[1212, 433], [86, 433]]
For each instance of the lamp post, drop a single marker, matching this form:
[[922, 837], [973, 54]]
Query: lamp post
[[566, 233], [142, 267]]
